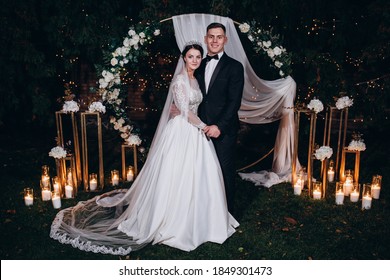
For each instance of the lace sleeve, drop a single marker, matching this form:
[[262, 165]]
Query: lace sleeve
[[181, 99]]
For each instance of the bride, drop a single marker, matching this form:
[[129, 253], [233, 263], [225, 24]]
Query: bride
[[178, 199]]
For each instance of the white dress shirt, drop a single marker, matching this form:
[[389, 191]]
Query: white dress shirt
[[210, 67]]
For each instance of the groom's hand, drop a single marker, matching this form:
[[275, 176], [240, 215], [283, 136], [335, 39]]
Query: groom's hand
[[212, 131], [173, 111]]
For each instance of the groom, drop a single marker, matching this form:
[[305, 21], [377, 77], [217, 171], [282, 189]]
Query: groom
[[221, 79]]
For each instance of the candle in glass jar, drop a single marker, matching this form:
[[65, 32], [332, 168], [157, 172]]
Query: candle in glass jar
[[45, 181], [375, 191], [29, 199], [330, 176], [339, 197], [56, 187], [354, 196], [56, 200], [366, 202], [348, 187], [130, 176], [93, 184], [46, 194], [316, 194], [297, 189], [68, 191], [115, 180]]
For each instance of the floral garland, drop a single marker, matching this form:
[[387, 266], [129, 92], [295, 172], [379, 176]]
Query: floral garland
[[110, 86], [264, 41]]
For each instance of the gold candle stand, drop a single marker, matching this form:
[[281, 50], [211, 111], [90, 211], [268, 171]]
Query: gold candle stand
[[357, 165], [329, 117], [134, 150], [60, 140], [313, 121], [84, 145]]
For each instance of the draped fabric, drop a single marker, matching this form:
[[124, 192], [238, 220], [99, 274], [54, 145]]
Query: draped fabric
[[263, 101]]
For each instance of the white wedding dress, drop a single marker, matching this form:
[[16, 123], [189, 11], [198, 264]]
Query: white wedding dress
[[178, 199]]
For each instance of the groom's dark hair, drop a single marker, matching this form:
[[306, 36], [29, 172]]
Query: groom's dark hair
[[216, 25]]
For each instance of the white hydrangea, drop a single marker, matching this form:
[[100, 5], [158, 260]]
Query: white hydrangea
[[357, 145], [344, 102], [97, 107], [70, 106], [133, 140], [315, 105], [323, 153], [57, 152]]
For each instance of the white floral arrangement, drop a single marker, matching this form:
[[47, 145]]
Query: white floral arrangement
[[344, 102], [264, 41], [315, 105], [70, 106], [97, 107], [323, 152], [357, 145], [133, 140], [110, 81], [57, 152]]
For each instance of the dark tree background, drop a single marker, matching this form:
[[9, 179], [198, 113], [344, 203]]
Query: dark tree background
[[50, 47]]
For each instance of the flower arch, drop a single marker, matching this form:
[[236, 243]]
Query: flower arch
[[134, 47]]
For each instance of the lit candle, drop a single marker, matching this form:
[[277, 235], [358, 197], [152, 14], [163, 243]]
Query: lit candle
[[56, 187], [354, 196], [348, 187], [45, 181], [316, 194], [375, 191], [339, 197], [297, 189], [56, 200], [28, 199], [93, 184], [68, 191], [330, 176], [115, 180], [46, 194], [366, 202], [130, 175]]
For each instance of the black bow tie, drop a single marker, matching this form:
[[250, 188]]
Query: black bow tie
[[208, 57]]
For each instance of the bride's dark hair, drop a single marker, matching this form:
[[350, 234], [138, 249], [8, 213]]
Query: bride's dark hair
[[192, 46]]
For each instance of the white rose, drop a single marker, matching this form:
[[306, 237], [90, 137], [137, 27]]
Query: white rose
[[277, 51], [278, 64], [267, 44], [281, 73], [142, 35], [251, 38], [270, 53], [244, 27], [114, 61], [156, 32], [131, 32]]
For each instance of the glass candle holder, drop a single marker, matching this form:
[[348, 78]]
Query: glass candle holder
[[28, 196], [376, 185], [56, 199], [70, 185], [366, 196], [339, 193], [355, 193], [93, 182], [115, 177], [348, 184], [331, 172], [45, 177], [299, 184], [317, 190], [57, 184], [130, 174]]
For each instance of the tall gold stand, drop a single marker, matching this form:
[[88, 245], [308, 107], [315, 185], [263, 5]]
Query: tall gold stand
[[342, 135], [134, 150], [84, 145], [313, 121], [60, 140], [357, 165]]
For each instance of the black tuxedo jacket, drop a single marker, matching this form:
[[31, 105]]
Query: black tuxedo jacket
[[222, 101]]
